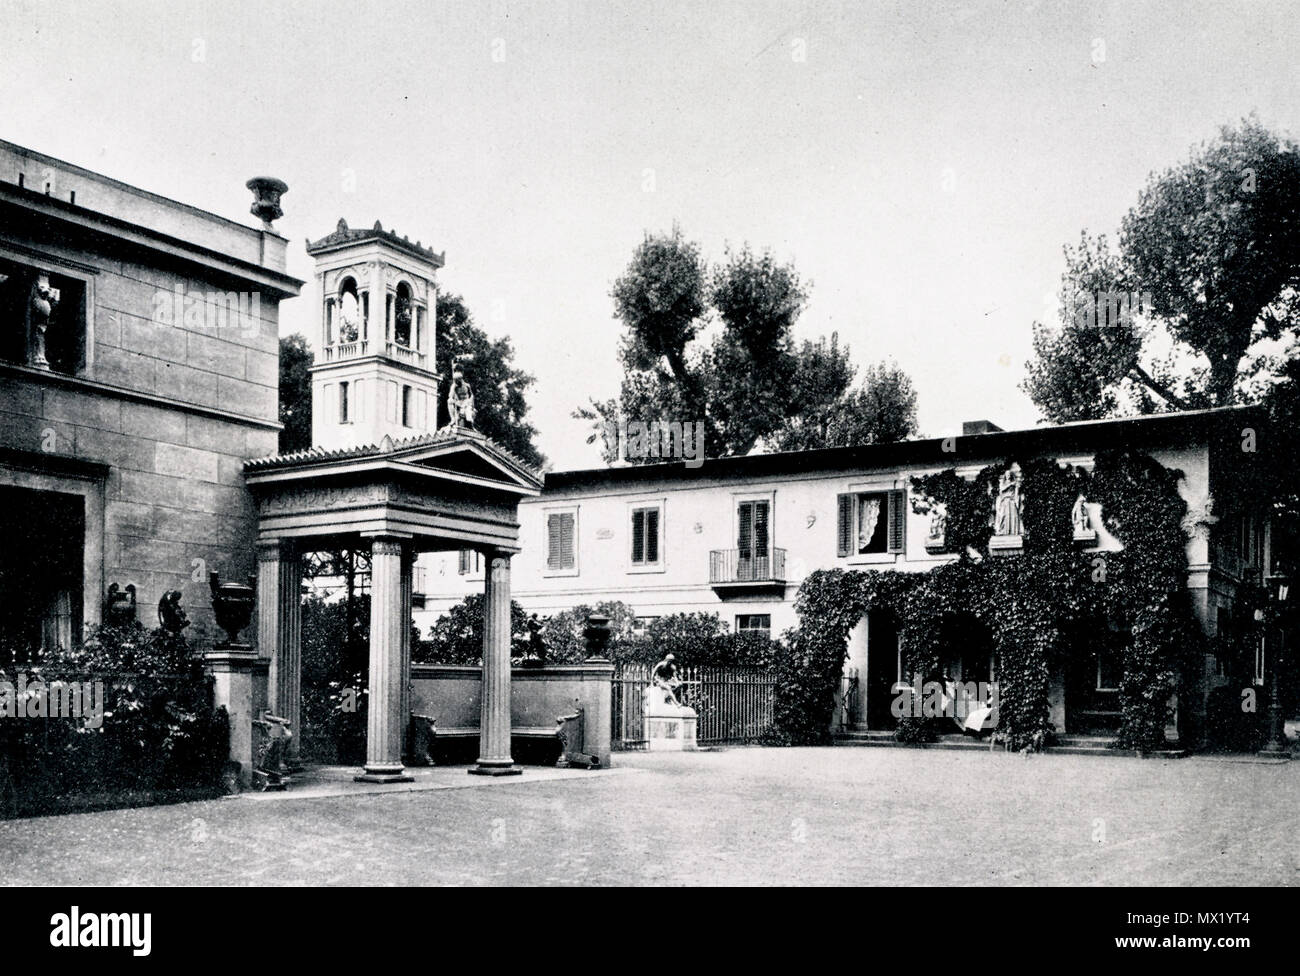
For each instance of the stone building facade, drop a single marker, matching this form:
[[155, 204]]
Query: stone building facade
[[139, 369]]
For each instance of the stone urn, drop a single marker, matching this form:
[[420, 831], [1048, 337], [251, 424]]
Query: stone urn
[[267, 191], [596, 633], [232, 603]]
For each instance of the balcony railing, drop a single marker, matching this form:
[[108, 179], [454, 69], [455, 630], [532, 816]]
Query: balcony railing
[[345, 350], [404, 354], [746, 566]]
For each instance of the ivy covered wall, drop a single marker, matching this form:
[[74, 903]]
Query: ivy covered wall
[[1027, 600]]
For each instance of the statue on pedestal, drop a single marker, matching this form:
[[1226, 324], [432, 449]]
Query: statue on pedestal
[[460, 399]]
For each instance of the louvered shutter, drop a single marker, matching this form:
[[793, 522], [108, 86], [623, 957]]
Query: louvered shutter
[[897, 521], [568, 543], [652, 535], [745, 530], [463, 567], [844, 526], [638, 535], [553, 541], [760, 530]]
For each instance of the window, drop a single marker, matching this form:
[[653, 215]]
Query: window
[[470, 562], [402, 315], [645, 536], [406, 406], [752, 529], [1259, 660], [45, 315], [562, 542], [641, 624], [1110, 669], [343, 403], [871, 522], [759, 622]]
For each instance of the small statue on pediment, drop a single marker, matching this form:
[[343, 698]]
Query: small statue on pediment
[[460, 398]]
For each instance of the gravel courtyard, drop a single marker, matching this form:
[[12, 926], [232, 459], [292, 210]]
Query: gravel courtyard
[[740, 816]]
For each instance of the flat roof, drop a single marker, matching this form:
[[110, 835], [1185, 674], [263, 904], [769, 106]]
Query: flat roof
[[1084, 435]]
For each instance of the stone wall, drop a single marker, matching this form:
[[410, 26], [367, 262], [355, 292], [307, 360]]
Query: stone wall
[[172, 407]]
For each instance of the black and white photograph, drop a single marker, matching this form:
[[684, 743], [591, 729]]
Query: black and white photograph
[[650, 443]]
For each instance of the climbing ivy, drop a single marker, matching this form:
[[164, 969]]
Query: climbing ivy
[[1027, 602]]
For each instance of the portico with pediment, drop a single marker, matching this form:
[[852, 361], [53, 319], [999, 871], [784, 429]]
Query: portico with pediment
[[363, 488]]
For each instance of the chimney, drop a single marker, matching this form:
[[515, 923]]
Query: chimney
[[971, 427]]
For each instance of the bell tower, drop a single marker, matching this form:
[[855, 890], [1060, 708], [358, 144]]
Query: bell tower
[[375, 372]]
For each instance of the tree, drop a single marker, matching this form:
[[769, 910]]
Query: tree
[[880, 410], [295, 393], [749, 384], [1208, 264], [500, 406]]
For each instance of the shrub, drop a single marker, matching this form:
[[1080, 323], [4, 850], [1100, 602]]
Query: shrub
[[159, 729]]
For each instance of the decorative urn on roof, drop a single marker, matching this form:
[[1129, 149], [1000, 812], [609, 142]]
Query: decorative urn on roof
[[267, 191]]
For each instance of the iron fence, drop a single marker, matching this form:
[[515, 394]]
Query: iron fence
[[733, 703]]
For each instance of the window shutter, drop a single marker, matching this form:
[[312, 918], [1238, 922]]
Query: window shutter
[[638, 535], [652, 535], [745, 529], [897, 521], [760, 529], [553, 533], [463, 567], [567, 541], [844, 526]]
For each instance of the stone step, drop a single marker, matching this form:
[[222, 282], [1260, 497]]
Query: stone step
[[1067, 745]]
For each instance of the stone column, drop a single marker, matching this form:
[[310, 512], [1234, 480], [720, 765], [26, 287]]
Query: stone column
[[387, 625], [494, 723], [408, 567], [279, 630]]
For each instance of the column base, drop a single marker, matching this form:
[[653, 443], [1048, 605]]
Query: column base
[[384, 774], [486, 770]]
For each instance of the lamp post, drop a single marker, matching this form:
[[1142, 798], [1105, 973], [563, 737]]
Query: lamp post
[[1277, 588]]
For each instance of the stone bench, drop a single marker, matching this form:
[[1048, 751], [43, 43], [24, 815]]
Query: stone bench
[[567, 732]]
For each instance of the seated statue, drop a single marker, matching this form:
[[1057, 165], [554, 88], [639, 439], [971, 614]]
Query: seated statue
[[666, 680]]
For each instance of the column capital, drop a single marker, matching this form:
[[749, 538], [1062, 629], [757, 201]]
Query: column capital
[[270, 550], [388, 545]]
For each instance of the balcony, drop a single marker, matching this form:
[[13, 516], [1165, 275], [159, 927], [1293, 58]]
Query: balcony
[[746, 570], [345, 350]]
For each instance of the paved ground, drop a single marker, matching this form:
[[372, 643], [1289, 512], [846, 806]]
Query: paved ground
[[742, 816]]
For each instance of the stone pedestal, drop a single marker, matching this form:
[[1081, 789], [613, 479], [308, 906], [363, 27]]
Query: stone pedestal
[[668, 727], [389, 634], [494, 724], [231, 667]]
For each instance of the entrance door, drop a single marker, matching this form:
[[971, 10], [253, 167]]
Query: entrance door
[[40, 571], [752, 540], [882, 670]]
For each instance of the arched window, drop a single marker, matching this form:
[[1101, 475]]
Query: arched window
[[349, 328], [402, 314]]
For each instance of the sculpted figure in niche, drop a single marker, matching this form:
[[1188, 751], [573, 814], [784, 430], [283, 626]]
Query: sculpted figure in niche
[[44, 299], [1007, 511], [1079, 516]]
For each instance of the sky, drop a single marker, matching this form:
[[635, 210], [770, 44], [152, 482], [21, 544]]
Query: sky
[[921, 164]]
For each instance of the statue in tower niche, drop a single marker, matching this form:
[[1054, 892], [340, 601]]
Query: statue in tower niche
[[1006, 519], [460, 399], [44, 299]]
